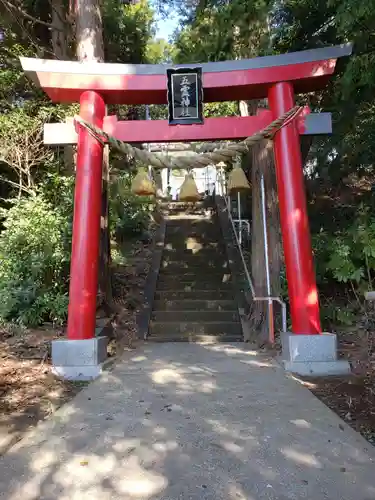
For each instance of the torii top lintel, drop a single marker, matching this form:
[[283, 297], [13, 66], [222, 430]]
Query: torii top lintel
[[64, 81]]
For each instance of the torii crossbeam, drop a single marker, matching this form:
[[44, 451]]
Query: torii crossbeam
[[223, 128], [278, 78]]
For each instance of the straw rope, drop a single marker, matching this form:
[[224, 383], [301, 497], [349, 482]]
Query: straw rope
[[224, 154]]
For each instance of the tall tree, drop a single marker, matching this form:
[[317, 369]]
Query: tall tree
[[89, 31], [62, 32]]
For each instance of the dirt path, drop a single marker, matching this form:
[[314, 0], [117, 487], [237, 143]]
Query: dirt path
[[28, 391], [194, 422], [352, 397]]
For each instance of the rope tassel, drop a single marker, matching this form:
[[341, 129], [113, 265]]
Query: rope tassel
[[237, 181], [142, 185], [202, 160], [189, 190]]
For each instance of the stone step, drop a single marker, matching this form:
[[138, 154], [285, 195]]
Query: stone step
[[176, 215], [185, 246], [201, 213], [176, 285], [194, 228], [196, 337], [172, 250], [194, 316], [194, 225], [175, 218], [197, 328], [184, 276], [214, 277], [213, 258], [171, 205], [194, 305], [180, 266], [188, 232], [226, 294], [197, 226], [182, 253], [198, 229], [187, 241]]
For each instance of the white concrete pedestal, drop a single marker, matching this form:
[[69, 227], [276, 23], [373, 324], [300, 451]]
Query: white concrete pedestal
[[312, 355], [79, 359]]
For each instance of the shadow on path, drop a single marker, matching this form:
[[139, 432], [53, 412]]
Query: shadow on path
[[192, 422]]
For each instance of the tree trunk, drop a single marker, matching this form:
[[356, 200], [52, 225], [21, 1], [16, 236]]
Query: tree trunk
[[60, 47], [90, 47], [59, 36], [262, 163], [89, 31]]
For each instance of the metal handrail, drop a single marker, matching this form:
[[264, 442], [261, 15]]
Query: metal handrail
[[270, 299], [247, 274], [241, 223]]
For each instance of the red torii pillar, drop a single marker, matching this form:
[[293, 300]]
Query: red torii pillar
[[86, 223], [303, 293]]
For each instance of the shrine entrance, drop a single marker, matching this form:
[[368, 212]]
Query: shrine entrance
[[277, 78]]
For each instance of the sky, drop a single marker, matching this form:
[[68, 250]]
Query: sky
[[165, 27]]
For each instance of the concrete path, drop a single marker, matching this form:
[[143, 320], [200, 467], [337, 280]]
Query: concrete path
[[180, 421]]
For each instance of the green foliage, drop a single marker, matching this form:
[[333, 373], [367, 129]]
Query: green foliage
[[35, 240], [218, 30], [129, 213], [34, 260], [303, 24], [348, 256], [334, 313], [229, 108], [127, 29], [159, 51]]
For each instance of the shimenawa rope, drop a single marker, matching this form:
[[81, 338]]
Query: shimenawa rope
[[202, 160]]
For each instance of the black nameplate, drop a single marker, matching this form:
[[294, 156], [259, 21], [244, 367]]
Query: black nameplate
[[185, 96]]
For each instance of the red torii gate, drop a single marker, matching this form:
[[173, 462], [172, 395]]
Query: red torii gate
[[94, 85]]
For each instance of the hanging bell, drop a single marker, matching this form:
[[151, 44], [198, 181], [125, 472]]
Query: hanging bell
[[237, 181], [189, 190], [142, 185]]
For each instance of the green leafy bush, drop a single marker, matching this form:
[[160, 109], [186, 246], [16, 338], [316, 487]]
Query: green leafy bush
[[34, 257], [129, 213], [346, 260], [35, 247], [348, 255]]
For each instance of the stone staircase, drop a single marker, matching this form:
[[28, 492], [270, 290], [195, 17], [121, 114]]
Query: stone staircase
[[194, 300]]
